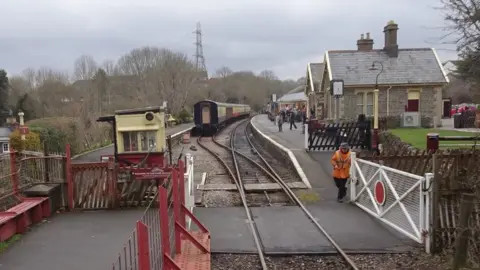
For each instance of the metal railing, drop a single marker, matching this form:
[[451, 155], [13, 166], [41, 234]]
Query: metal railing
[[189, 185], [157, 237]]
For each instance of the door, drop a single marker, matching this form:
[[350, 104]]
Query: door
[[412, 105], [229, 112], [447, 106], [206, 114]]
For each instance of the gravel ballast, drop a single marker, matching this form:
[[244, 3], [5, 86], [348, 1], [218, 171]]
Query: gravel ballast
[[415, 260]]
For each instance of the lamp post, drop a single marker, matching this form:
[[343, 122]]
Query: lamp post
[[22, 124], [375, 104]]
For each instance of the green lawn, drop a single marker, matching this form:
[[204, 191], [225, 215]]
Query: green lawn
[[418, 137]]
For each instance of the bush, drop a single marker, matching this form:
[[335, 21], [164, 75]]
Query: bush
[[31, 143], [184, 116], [52, 138], [387, 122]]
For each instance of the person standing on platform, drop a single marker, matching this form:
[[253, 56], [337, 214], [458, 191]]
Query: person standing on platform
[[341, 163], [279, 121], [304, 119], [292, 120], [283, 115]]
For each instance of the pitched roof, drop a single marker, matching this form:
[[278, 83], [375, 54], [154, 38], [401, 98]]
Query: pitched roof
[[300, 96], [5, 132], [455, 62], [296, 89], [317, 70], [412, 66]]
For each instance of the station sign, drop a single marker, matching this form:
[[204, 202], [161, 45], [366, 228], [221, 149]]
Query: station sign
[[336, 87], [24, 130], [149, 173]]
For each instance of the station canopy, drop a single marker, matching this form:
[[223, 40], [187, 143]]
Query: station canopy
[[294, 97]]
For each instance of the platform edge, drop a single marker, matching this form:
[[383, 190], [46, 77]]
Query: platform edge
[[182, 132], [290, 154]]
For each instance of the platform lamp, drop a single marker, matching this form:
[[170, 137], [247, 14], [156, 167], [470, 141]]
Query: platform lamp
[[375, 105]]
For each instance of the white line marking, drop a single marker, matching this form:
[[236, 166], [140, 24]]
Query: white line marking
[[181, 132], [292, 157]]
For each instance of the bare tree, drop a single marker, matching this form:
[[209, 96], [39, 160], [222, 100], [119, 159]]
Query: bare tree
[[463, 22], [109, 67], [139, 61], [268, 74], [223, 72], [144, 76], [463, 25], [85, 67]]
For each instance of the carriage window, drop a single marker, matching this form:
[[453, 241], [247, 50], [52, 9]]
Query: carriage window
[[130, 143], [148, 140]]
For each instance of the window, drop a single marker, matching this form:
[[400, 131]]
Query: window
[[146, 139], [5, 148], [364, 103], [130, 143], [369, 109], [359, 109]]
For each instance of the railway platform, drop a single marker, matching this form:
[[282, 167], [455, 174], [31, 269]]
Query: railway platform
[[74, 241], [286, 230]]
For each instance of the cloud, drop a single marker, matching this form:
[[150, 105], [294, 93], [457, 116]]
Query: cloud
[[281, 35]]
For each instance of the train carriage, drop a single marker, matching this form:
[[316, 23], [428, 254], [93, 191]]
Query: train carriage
[[210, 116]]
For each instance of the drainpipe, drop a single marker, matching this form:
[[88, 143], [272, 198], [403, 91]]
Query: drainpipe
[[388, 100]]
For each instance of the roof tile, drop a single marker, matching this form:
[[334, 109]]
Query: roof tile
[[412, 66]]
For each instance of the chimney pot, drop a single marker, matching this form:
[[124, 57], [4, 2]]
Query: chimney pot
[[365, 44]]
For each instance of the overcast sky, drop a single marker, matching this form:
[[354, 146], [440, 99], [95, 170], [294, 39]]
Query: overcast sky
[[281, 35]]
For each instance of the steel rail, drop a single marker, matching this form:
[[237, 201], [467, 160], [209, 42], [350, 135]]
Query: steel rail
[[236, 178], [244, 200], [305, 210], [262, 168]]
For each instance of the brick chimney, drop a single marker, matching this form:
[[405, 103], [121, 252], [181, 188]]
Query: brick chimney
[[365, 44], [391, 45]]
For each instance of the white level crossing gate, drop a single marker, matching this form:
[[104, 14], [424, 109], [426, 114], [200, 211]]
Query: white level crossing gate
[[397, 198]]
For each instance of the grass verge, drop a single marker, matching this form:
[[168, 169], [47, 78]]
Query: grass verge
[[5, 244], [417, 137]]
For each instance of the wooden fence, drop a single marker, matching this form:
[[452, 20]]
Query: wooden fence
[[456, 172], [95, 185]]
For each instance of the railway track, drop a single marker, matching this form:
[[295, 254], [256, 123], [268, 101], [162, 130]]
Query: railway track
[[248, 165]]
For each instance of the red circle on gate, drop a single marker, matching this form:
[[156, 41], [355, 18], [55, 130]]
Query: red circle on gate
[[380, 193]]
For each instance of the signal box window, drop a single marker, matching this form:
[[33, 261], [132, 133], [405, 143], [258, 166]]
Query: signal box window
[[139, 141], [148, 140], [130, 141]]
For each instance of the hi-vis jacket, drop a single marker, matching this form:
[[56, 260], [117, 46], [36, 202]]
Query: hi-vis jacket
[[342, 162]]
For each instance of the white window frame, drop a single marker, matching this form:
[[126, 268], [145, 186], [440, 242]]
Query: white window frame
[[362, 104], [148, 144], [365, 101], [8, 147]]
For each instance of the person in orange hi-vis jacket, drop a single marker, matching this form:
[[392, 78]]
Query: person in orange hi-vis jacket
[[341, 170]]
